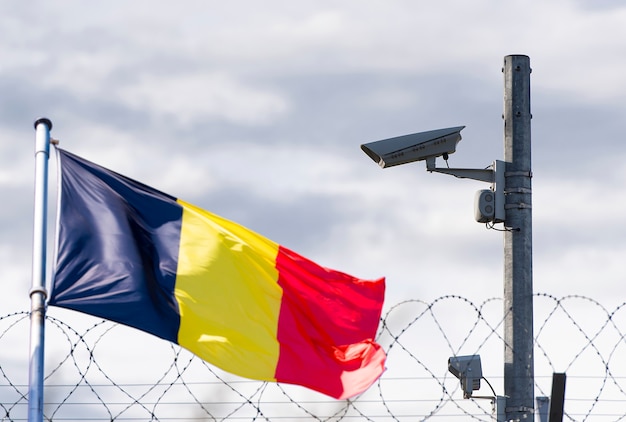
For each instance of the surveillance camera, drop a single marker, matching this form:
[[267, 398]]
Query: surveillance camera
[[485, 206], [414, 147], [469, 372]]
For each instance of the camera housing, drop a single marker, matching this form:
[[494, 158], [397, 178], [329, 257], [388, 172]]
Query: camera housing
[[414, 147], [469, 372], [485, 206]]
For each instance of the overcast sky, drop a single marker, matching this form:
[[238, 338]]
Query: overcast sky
[[256, 111]]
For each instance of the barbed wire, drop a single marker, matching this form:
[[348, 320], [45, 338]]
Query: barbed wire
[[97, 370]]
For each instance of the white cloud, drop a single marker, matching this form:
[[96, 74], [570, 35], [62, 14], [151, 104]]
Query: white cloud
[[17, 164], [197, 96], [580, 204]]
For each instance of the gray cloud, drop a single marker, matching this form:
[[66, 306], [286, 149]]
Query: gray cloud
[[258, 117]]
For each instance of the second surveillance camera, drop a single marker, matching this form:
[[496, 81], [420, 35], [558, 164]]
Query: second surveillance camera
[[414, 147], [469, 372]]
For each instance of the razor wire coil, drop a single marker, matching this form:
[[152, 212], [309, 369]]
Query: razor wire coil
[[97, 370]]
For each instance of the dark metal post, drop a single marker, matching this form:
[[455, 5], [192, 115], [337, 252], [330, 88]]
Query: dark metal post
[[557, 399], [518, 280]]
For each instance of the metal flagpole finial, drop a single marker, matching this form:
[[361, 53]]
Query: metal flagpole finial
[[45, 121]]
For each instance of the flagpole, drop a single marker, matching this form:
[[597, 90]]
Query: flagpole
[[38, 290]]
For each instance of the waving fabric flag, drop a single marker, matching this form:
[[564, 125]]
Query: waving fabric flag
[[140, 257]]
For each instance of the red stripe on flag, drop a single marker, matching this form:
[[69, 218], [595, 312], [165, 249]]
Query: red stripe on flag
[[327, 326]]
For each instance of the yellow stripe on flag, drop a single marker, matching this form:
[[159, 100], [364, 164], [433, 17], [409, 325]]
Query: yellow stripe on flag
[[228, 296]]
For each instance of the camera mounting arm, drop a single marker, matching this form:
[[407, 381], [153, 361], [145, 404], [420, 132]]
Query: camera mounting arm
[[427, 146], [493, 174]]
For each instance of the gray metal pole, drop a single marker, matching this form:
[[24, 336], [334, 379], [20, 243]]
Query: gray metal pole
[[38, 290], [518, 280]]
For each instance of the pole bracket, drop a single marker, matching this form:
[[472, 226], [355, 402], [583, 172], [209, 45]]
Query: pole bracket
[[519, 190], [518, 173], [521, 409], [36, 290], [518, 206]]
